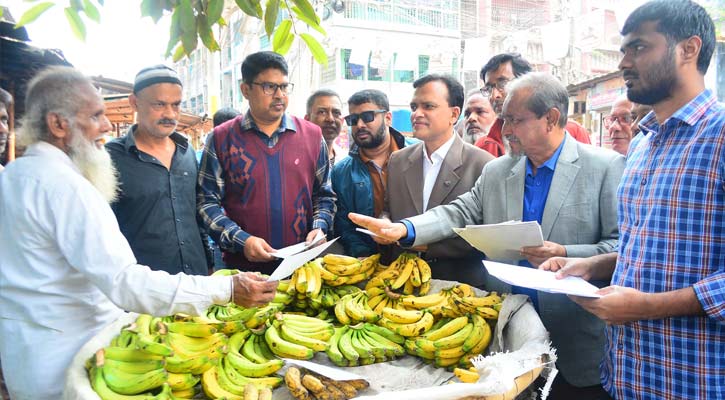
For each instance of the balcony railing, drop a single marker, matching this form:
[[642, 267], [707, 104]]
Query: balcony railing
[[442, 14]]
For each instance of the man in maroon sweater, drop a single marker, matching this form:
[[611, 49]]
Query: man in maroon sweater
[[264, 178]]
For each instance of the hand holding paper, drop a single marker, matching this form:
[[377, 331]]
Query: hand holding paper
[[544, 281]]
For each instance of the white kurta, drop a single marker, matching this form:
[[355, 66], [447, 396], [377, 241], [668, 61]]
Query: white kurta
[[66, 271]]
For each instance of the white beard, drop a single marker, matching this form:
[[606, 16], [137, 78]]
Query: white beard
[[516, 155], [95, 165]]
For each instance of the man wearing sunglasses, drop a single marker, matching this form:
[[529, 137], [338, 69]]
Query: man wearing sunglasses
[[360, 180], [619, 125], [265, 177], [436, 172]]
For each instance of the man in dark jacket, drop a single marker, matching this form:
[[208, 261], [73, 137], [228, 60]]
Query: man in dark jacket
[[360, 180]]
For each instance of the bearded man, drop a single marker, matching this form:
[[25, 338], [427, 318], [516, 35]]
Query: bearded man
[[66, 270], [360, 179]]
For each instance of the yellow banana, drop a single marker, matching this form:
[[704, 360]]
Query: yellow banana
[[338, 259], [292, 288], [487, 312], [295, 337], [192, 329], [422, 302], [408, 287], [341, 312], [409, 330], [315, 281], [251, 369], [455, 339], [240, 380], [348, 266], [407, 269], [479, 347], [465, 375], [424, 268], [424, 288], [448, 329], [301, 284], [182, 381], [285, 349], [211, 387], [185, 394], [415, 275], [445, 362], [477, 332], [402, 317], [454, 352]]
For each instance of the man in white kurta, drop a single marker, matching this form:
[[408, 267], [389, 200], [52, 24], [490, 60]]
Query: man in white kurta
[[66, 271]]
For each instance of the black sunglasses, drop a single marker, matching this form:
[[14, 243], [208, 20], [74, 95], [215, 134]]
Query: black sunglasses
[[365, 116]]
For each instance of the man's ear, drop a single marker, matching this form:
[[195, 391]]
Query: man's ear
[[455, 114], [133, 102], [552, 118], [245, 90], [388, 118], [57, 125], [307, 117], [691, 48]]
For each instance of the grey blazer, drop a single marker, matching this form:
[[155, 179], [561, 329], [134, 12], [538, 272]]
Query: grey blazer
[[580, 214], [453, 259]]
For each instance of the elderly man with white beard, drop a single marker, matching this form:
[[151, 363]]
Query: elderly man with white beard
[[66, 271]]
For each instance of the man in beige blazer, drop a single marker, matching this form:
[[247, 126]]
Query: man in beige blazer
[[578, 216], [436, 171]]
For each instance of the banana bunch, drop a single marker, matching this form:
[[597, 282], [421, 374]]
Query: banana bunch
[[262, 315], [320, 306], [353, 308], [436, 303], [309, 386], [408, 273], [364, 344], [248, 354], [139, 335], [450, 342], [487, 306], [408, 323], [337, 270], [137, 373], [224, 382], [469, 375], [297, 336]]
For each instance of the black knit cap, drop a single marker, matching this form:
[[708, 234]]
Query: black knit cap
[[153, 75]]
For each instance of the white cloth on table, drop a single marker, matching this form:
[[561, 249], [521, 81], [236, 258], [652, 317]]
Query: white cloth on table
[[66, 271]]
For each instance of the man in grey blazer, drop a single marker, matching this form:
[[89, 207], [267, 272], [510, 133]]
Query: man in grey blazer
[[568, 187], [436, 171]]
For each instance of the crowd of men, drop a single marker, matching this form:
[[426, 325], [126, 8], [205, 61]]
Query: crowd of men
[[90, 230]]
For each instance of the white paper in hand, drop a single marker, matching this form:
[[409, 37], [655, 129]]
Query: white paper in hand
[[503, 241], [299, 247], [291, 263], [544, 281]]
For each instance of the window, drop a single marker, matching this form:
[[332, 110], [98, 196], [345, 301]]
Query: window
[[423, 62], [350, 71], [381, 71], [403, 70]]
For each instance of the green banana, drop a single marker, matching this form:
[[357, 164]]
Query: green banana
[[285, 349], [346, 348], [385, 332], [196, 345], [361, 347], [250, 351], [180, 365], [379, 352], [455, 339], [333, 351], [182, 381], [261, 347], [127, 383], [150, 344], [137, 367], [251, 369], [193, 329], [394, 348], [129, 354], [105, 393], [237, 340], [295, 337], [240, 380]]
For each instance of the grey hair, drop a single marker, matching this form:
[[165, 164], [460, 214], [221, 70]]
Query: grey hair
[[547, 92], [56, 90]]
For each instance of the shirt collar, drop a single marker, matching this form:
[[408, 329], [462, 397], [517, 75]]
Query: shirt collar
[[46, 150], [287, 123], [129, 141], [440, 154], [550, 163], [689, 113]]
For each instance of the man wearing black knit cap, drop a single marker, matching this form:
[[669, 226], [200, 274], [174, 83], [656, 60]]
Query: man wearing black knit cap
[[156, 205]]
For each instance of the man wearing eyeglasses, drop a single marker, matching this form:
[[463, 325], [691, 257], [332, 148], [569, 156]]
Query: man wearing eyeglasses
[[496, 74], [265, 178], [568, 187], [157, 168], [619, 125], [360, 179], [436, 172]]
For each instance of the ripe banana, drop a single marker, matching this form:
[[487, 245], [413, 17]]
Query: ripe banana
[[285, 349], [423, 302], [447, 329], [401, 316], [192, 329], [211, 387], [409, 330], [251, 369], [296, 337], [406, 271], [477, 332], [455, 339], [182, 381], [465, 375]]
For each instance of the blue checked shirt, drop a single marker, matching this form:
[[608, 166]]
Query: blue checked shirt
[[227, 234], [672, 236]]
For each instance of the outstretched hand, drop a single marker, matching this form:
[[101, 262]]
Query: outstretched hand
[[252, 290], [387, 231]]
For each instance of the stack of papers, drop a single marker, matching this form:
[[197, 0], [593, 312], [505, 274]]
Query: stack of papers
[[544, 281], [503, 241]]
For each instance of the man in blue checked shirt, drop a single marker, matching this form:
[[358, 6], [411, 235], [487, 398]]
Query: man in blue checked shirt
[[666, 307]]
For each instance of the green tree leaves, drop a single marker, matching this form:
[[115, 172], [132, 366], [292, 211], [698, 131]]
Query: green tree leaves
[[192, 20]]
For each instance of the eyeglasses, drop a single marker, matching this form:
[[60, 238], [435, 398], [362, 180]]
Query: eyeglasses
[[625, 119], [487, 89], [365, 116], [271, 88], [161, 105]]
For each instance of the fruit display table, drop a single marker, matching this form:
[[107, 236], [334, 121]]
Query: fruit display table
[[520, 342]]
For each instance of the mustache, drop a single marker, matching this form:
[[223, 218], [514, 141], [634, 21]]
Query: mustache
[[166, 121], [626, 75]]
